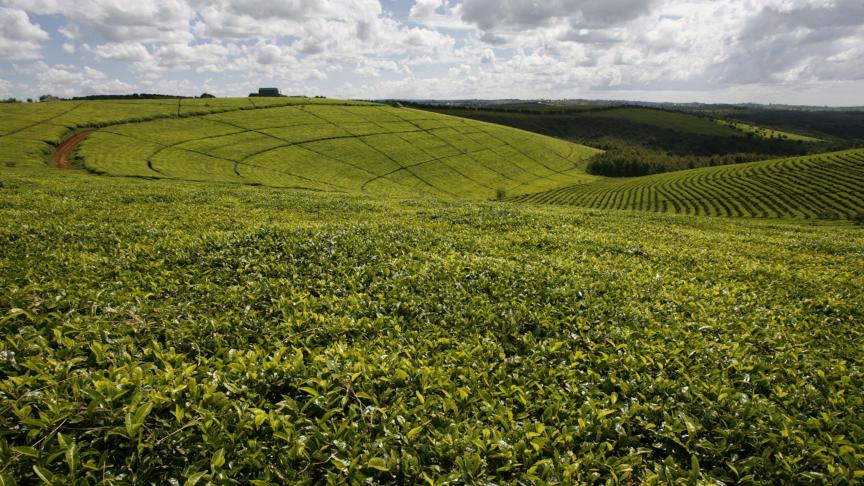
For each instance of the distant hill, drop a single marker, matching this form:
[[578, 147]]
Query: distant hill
[[640, 141], [360, 147]]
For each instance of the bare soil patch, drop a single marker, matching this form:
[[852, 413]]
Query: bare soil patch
[[60, 159]]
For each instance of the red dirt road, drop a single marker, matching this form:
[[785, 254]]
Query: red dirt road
[[60, 159]]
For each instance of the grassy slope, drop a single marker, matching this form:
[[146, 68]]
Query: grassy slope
[[766, 132], [847, 125], [314, 144], [643, 140], [160, 330], [579, 122], [688, 123], [669, 120], [820, 186], [336, 146], [29, 131]]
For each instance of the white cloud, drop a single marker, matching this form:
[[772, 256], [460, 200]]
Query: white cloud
[[444, 14], [425, 8], [5, 89], [68, 81], [19, 38], [122, 51], [374, 67], [250, 19], [530, 14], [785, 42], [116, 20], [447, 48]]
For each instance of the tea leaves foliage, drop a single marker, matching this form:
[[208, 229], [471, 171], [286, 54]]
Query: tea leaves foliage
[[184, 333], [824, 186], [322, 145]]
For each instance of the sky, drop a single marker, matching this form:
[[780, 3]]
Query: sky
[[714, 51]]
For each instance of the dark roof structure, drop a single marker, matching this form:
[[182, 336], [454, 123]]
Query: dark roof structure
[[267, 92]]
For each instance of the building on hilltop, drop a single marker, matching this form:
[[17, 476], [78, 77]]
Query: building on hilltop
[[267, 92]]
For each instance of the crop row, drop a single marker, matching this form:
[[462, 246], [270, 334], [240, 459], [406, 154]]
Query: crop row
[[827, 186]]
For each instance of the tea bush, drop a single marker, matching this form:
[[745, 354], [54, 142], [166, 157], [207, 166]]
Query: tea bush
[[179, 333]]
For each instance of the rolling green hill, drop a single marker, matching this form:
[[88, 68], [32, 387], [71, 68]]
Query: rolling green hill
[[667, 120], [595, 121], [766, 132], [641, 141], [29, 132], [193, 319], [311, 144], [340, 146], [374, 149], [827, 124], [820, 186]]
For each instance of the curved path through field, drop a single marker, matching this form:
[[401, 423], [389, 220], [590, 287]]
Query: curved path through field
[[60, 158]]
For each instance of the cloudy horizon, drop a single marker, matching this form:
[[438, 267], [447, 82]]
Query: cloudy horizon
[[803, 52]]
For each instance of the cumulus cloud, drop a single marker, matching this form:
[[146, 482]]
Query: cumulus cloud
[[423, 9], [122, 51], [67, 81], [802, 41], [117, 21], [19, 38], [529, 14], [5, 88], [441, 48], [243, 19]]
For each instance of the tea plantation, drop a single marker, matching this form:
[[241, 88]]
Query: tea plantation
[[191, 325], [29, 131], [325, 145], [824, 186]]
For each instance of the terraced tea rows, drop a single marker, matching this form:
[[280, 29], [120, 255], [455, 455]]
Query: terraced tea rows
[[28, 132], [825, 186], [374, 149]]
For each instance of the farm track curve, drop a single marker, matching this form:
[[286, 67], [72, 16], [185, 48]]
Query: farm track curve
[[60, 157]]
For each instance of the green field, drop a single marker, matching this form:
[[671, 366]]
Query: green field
[[166, 330], [309, 143], [581, 120], [669, 120], [322, 292], [29, 131], [827, 186], [641, 141], [766, 132]]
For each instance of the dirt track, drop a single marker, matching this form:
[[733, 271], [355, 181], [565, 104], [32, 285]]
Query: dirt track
[[60, 159]]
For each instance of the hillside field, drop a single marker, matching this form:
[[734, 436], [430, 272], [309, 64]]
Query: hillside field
[[766, 132], [312, 291], [325, 145], [825, 186], [29, 131]]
